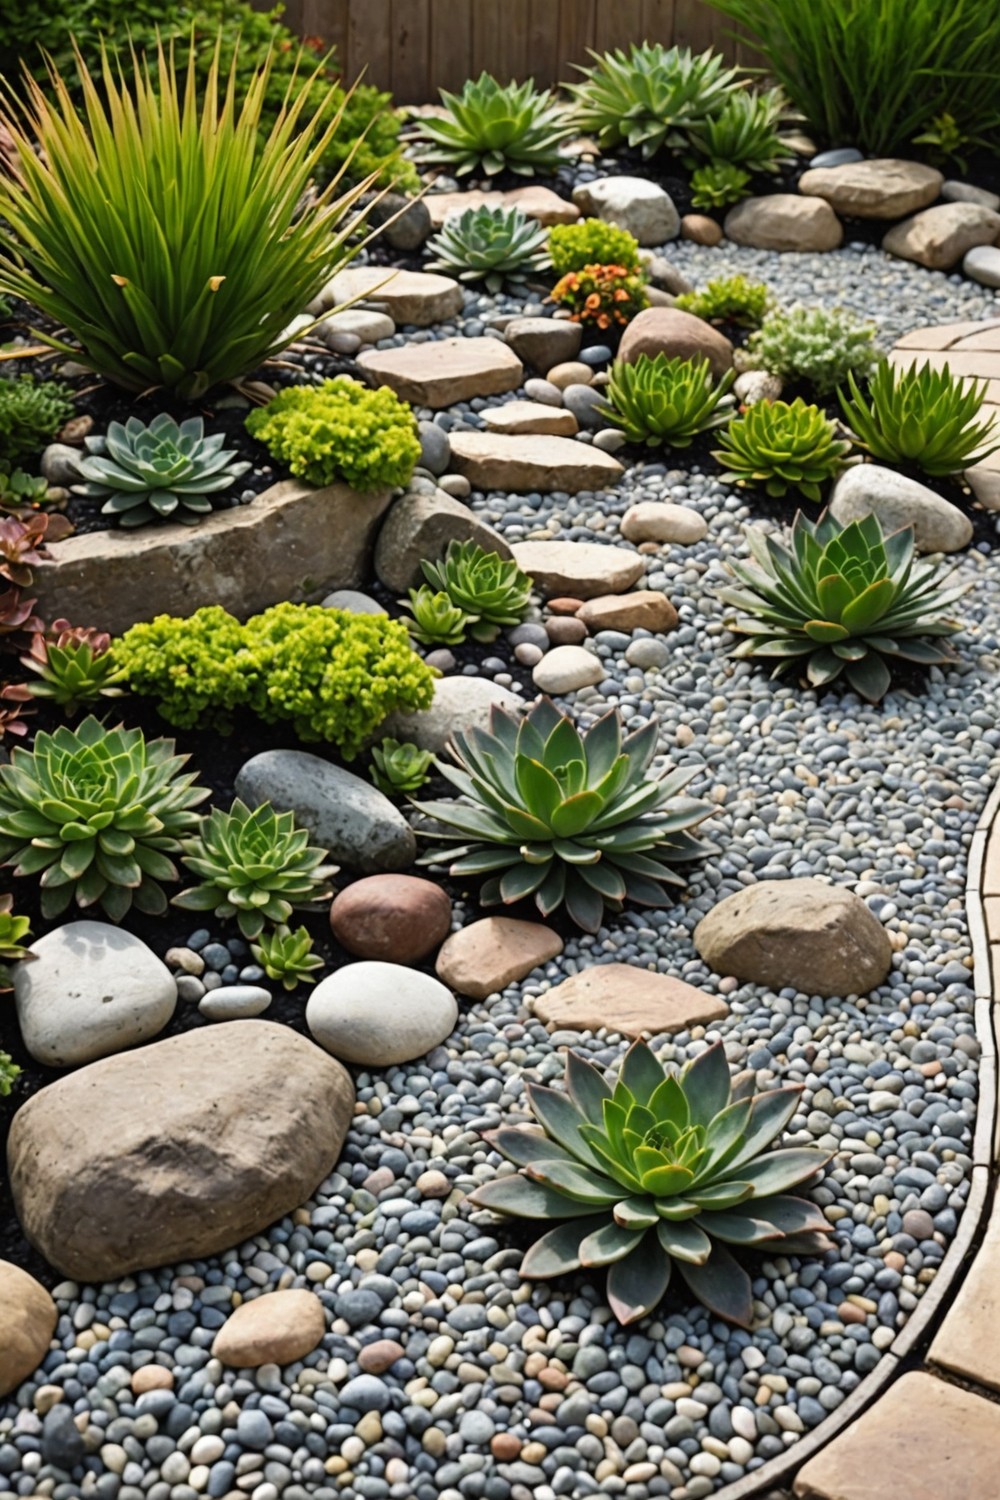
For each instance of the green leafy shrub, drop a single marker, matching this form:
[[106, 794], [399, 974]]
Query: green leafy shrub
[[163, 231], [287, 956], [257, 866], [650, 97], [489, 244], [433, 619], [872, 74], [399, 766], [572, 247], [492, 127], [334, 675], [96, 813], [369, 126], [161, 472], [744, 132], [813, 345], [602, 296], [842, 599], [662, 1169], [718, 184], [921, 416], [340, 430], [9, 1074], [31, 413], [661, 400], [74, 665], [492, 590], [783, 446], [729, 299], [13, 933], [567, 818]]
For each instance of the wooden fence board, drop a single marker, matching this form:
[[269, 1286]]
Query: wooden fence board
[[415, 47]]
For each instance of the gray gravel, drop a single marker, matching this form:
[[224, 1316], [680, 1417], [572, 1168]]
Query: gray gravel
[[884, 800]]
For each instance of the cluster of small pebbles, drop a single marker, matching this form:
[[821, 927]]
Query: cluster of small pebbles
[[443, 1376]]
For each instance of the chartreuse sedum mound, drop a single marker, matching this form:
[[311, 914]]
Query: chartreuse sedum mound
[[161, 228], [564, 818], [661, 1170], [840, 600]]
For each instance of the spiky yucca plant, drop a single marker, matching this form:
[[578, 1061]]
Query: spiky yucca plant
[[922, 416], [256, 866], [783, 446], [163, 471], [96, 812], [489, 244], [664, 1169], [162, 229], [649, 97], [565, 818], [492, 590], [842, 599], [657, 399], [491, 126]]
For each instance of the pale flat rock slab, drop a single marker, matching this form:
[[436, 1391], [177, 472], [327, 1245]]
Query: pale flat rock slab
[[645, 609], [275, 1329], [445, 371], [945, 335], [378, 1014], [880, 188], [531, 417], [941, 1438], [938, 237], [460, 704], [177, 1150], [491, 461], [27, 1322], [535, 202], [784, 221], [567, 669], [628, 1000], [368, 326], [643, 208], [866, 489], [417, 298], [578, 570], [420, 527], [280, 547], [815, 938], [975, 1356], [486, 956], [662, 521], [91, 989]]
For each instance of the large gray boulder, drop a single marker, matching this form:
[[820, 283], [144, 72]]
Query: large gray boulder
[[800, 934], [177, 1150], [866, 489]]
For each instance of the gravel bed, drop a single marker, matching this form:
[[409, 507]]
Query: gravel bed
[[884, 800]]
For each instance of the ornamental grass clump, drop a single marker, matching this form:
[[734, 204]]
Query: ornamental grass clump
[[255, 865], [921, 416], [169, 237], [841, 600], [661, 1170], [657, 399], [340, 431], [814, 345], [591, 242], [650, 97], [494, 245], [492, 590], [493, 127], [96, 813], [602, 296], [783, 446], [564, 818], [165, 471]]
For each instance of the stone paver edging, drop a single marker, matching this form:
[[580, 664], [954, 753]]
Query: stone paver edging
[[924, 1424]]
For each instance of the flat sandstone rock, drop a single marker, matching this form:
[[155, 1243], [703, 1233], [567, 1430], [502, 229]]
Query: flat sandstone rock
[[628, 1000], [495, 461], [445, 371]]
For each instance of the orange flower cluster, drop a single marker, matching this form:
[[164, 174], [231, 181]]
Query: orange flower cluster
[[602, 296]]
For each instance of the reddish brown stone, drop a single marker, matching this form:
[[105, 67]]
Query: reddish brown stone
[[374, 1358], [566, 630], [488, 955], [564, 606], [700, 229], [644, 609], [667, 330], [397, 918]]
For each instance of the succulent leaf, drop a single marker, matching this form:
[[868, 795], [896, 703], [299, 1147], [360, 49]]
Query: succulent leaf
[[489, 244], [922, 416], [783, 446], [662, 400], [491, 126], [157, 472]]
